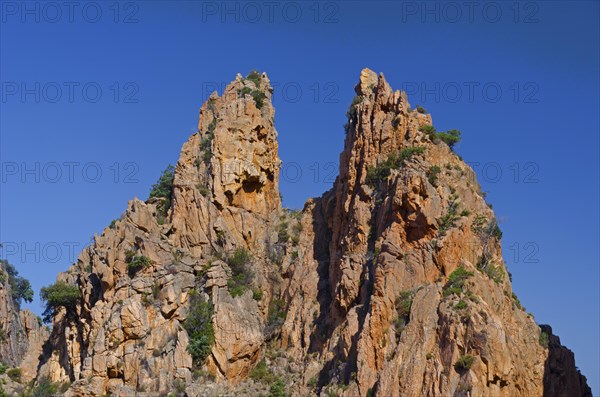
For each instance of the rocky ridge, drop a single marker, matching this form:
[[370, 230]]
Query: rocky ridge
[[390, 284]]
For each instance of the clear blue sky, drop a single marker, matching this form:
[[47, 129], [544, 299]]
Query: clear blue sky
[[540, 132]]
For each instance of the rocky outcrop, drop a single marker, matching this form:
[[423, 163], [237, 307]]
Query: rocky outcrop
[[13, 341], [22, 334], [390, 284], [561, 376]]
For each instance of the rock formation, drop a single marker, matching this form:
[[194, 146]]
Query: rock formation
[[22, 334], [390, 284]]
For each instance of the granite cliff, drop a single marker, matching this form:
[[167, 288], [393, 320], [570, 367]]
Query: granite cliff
[[390, 284]]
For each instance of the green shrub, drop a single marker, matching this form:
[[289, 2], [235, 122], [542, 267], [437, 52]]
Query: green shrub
[[257, 294], [461, 305], [406, 153], [377, 174], [296, 230], [351, 113], [421, 109], [57, 295], [464, 363], [14, 374], [135, 263], [245, 91], [199, 327], [485, 229], [259, 98], [241, 276], [276, 314], [261, 373], [456, 281], [432, 174], [206, 142], [478, 224], [517, 302], [3, 368], [282, 232], [451, 137], [494, 272], [254, 76], [430, 131], [448, 221], [381, 171], [277, 388], [496, 232], [544, 340], [20, 287], [403, 305], [163, 189], [44, 388]]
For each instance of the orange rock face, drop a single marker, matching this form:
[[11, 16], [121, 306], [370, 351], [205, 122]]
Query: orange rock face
[[390, 284]]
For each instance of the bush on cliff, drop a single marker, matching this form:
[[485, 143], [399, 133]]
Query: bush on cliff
[[163, 190], [381, 171], [241, 275], [57, 295], [135, 263], [451, 137], [199, 327], [456, 281], [19, 286], [464, 363]]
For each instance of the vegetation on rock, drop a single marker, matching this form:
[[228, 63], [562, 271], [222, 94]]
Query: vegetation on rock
[[450, 137], [162, 190], [432, 174], [456, 281], [135, 262], [199, 327], [19, 286], [241, 275], [379, 173], [464, 363], [403, 306], [261, 373], [59, 295]]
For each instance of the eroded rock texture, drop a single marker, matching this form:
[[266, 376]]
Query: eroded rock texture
[[22, 335], [390, 284]]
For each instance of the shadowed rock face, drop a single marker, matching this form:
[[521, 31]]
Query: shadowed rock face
[[390, 284], [21, 336]]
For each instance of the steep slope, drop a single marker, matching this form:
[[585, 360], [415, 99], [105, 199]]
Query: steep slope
[[390, 284], [411, 296], [21, 333], [126, 334]]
